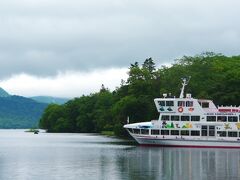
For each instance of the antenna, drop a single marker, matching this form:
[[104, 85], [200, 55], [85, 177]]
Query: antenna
[[184, 83]]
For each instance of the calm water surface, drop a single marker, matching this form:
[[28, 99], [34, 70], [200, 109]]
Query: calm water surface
[[89, 156]]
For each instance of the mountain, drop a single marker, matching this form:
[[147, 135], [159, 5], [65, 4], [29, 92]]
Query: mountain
[[49, 99], [3, 93], [19, 112]]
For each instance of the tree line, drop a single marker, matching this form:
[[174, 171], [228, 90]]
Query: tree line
[[213, 76]]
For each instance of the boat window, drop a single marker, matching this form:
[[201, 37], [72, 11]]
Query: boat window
[[232, 119], [204, 130], [195, 133], [165, 118], [211, 118], [174, 118], [161, 103], [136, 131], [144, 131], [222, 118], [222, 133], [130, 129], [211, 130], [181, 103], [155, 132], [205, 104], [232, 133], [184, 133], [189, 103], [174, 132], [164, 132], [195, 118], [199, 103], [169, 103], [185, 118]]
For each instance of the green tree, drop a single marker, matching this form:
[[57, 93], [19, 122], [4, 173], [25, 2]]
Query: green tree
[[213, 76]]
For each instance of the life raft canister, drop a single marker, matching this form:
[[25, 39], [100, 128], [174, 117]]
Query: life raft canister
[[180, 109]]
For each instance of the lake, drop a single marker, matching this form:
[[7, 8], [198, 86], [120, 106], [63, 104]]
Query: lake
[[90, 156]]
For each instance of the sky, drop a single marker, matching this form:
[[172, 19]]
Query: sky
[[68, 48]]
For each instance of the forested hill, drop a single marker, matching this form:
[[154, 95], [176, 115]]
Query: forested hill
[[19, 112], [213, 76]]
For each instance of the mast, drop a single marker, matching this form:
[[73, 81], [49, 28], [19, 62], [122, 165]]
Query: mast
[[184, 83]]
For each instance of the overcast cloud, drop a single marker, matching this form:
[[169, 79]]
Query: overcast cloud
[[45, 37], [69, 84]]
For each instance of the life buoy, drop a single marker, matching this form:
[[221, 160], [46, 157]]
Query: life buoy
[[180, 109]]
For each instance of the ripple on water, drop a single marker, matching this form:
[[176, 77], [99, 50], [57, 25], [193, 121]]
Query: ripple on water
[[91, 156]]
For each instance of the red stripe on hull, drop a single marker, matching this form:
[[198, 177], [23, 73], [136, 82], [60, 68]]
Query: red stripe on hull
[[190, 146]]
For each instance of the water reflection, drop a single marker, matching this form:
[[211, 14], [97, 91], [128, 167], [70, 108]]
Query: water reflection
[[90, 156], [180, 163]]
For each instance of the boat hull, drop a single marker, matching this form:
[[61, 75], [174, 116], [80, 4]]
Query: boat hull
[[148, 140]]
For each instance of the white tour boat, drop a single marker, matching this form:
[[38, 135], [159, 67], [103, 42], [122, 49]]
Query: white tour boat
[[189, 122]]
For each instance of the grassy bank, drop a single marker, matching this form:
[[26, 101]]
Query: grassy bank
[[107, 133]]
